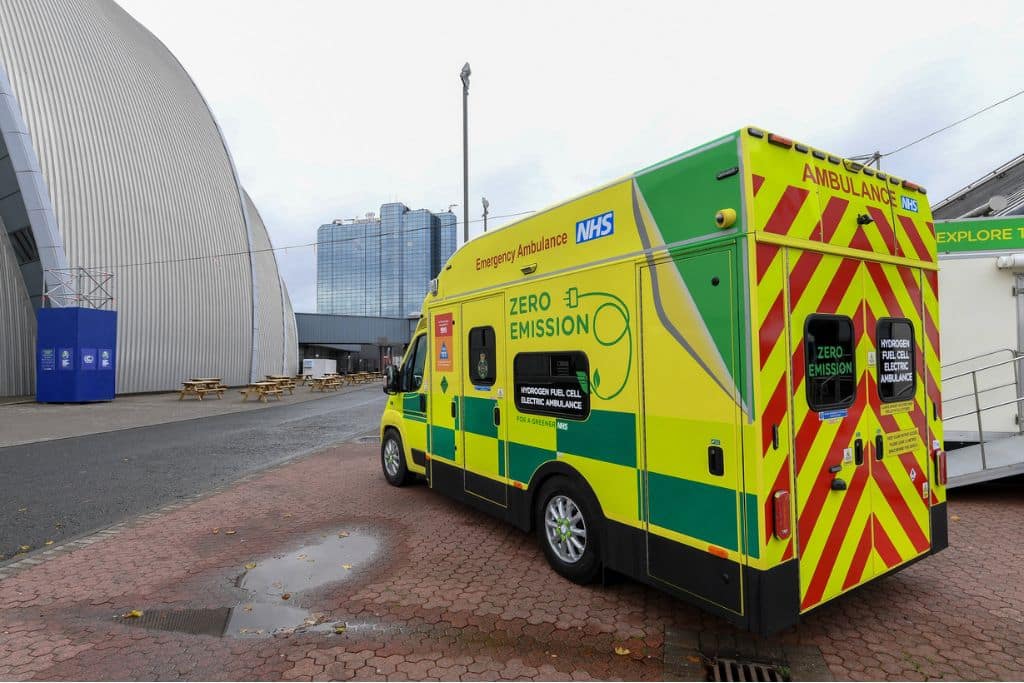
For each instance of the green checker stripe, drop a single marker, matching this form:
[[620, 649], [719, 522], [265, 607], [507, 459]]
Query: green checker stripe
[[478, 414], [524, 460], [753, 548], [411, 408], [605, 435], [689, 507], [442, 442]]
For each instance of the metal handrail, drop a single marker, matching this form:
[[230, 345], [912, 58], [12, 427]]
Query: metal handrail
[[978, 410], [985, 367], [950, 399], [980, 355]]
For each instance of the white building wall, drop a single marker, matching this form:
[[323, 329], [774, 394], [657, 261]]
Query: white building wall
[[17, 326], [142, 186], [979, 316]]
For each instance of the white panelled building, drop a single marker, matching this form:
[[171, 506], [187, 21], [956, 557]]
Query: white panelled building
[[111, 160]]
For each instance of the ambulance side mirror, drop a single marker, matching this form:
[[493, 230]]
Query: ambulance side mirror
[[391, 379]]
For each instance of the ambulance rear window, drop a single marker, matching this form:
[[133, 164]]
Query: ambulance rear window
[[555, 384], [829, 365], [897, 379]]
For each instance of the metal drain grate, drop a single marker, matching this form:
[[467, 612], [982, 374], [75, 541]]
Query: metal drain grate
[[207, 621], [733, 670]]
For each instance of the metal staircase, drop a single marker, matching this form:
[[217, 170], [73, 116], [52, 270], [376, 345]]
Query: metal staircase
[[981, 416]]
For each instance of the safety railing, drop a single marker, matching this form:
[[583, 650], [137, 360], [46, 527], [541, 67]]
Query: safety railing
[[1015, 360]]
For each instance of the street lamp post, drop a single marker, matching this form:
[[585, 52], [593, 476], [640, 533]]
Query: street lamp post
[[465, 152], [487, 205]]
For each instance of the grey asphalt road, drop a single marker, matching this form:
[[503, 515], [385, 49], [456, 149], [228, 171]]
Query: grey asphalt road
[[59, 489]]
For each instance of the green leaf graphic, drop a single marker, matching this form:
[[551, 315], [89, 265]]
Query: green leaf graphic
[[584, 383], [597, 379]]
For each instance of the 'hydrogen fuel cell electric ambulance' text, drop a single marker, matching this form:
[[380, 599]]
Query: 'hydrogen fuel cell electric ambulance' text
[[718, 376]]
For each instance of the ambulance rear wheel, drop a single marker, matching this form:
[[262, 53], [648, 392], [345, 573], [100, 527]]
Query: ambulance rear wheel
[[567, 528], [392, 459]]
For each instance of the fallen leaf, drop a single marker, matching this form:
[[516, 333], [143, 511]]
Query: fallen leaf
[[243, 630], [343, 534], [215, 530], [247, 608], [250, 565], [955, 518], [622, 651], [694, 659], [24, 548], [134, 614], [22, 509], [339, 628], [48, 543], [231, 532], [346, 566], [287, 514], [301, 556], [286, 596], [554, 656]]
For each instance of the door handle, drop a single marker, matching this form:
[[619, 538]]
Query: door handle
[[423, 403], [497, 416], [879, 447], [453, 408], [775, 437], [838, 484], [858, 452], [716, 460]]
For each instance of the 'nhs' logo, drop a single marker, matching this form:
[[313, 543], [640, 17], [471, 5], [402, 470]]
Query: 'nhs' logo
[[908, 203], [592, 228]]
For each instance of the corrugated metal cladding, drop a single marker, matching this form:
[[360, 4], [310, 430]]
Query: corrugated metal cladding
[[17, 326], [274, 353], [318, 328], [143, 186]]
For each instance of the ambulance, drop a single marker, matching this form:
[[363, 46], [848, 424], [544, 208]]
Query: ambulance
[[718, 376]]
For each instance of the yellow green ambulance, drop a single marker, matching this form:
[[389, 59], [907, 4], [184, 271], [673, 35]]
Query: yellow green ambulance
[[718, 376]]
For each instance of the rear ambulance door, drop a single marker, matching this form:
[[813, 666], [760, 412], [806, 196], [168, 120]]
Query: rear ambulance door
[[899, 471], [484, 378], [443, 396], [831, 422]]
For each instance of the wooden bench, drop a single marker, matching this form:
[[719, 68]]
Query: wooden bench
[[200, 388], [262, 390]]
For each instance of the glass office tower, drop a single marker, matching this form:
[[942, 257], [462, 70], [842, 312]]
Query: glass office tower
[[382, 266]]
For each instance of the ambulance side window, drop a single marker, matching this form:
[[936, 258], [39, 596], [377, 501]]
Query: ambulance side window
[[482, 356], [412, 371], [555, 384], [830, 366], [897, 376]]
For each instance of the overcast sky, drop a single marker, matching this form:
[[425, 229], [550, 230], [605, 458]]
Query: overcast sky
[[332, 108]]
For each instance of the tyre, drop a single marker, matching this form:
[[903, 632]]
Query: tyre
[[568, 529], [392, 459]]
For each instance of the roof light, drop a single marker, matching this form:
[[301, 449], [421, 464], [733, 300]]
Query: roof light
[[833, 160], [817, 155], [868, 171], [755, 132], [894, 180], [800, 148], [882, 176], [852, 165], [780, 141], [911, 186]]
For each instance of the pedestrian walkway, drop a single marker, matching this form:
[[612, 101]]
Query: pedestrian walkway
[[428, 589], [29, 422]]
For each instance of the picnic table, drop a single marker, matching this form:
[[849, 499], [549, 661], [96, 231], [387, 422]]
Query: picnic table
[[262, 390], [283, 381], [200, 387], [327, 382]]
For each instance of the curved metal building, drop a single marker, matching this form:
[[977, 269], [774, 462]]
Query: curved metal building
[[110, 159]]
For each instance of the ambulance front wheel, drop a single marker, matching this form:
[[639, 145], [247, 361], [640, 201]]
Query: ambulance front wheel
[[567, 528], [392, 459]]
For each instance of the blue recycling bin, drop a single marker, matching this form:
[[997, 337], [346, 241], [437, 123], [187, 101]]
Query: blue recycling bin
[[76, 350]]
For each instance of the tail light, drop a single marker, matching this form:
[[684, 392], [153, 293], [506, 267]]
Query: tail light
[[940, 466], [780, 523]]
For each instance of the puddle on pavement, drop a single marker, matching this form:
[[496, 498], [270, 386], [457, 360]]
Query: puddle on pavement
[[332, 559]]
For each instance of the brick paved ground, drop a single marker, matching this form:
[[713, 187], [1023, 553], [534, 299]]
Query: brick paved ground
[[455, 595]]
